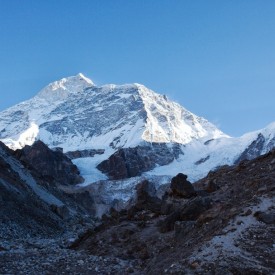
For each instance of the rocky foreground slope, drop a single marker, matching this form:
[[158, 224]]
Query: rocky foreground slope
[[223, 224], [33, 202]]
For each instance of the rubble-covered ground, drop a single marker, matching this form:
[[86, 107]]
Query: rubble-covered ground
[[227, 226], [224, 225]]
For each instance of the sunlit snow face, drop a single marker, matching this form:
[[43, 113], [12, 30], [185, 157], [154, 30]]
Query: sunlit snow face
[[74, 114], [167, 121], [62, 89], [27, 137]]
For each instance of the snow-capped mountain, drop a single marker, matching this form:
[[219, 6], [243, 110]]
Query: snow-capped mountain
[[93, 123], [75, 114], [201, 157]]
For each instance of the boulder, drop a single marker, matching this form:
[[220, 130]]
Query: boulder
[[168, 224], [181, 187], [146, 198], [188, 212], [211, 186], [194, 208], [268, 218]]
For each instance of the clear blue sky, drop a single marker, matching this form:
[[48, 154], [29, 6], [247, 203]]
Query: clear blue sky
[[216, 58]]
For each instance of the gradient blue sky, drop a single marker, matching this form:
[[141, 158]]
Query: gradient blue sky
[[216, 58]]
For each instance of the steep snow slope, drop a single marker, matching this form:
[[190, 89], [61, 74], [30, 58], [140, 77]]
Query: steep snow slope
[[199, 158], [167, 121], [74, 114]]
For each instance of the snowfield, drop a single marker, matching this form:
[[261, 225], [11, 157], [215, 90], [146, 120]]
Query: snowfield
[[75, 114]]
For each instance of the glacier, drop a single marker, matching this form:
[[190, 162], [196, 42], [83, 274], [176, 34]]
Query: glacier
[[74, 114]]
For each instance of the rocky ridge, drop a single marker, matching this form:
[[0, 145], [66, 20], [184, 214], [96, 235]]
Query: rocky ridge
[[225, 225], [122, 116], [95, 125], [33, 202], [132, 162], [128, 137]]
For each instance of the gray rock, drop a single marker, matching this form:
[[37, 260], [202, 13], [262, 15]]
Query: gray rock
[[268, 218], [181, 187], [182, 228]]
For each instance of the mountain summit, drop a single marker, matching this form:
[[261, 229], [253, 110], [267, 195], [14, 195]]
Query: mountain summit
[[60, 89], [125, 131], [74, 114]]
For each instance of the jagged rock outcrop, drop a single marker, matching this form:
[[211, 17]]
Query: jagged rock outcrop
[[22, 211], [257, 147], [84, 153], [266, 217], [32, 202], [181, 187], [227, 228], [96, 123], [253, 150], [131, 162], [189, 211], [146, 198], [50, 165]]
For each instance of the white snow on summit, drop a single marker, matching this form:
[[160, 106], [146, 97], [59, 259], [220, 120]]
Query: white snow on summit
[[199, 158], [60, 90], [75, 114], [167, 121]]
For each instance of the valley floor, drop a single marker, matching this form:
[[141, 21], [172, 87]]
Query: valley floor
[[226, 225], [50, 258]]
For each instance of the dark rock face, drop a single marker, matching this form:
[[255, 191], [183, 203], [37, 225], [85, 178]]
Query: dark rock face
[[182, 228], [116, 167], [212, 186], [202, 160], [21, 211], [146, 197], [35, 205], [270, 145], [186, 212], [62, 211], [51, 165], [181, 187], [131, 162], [191, 235], [84, 153], [253, 150], [268, 218]]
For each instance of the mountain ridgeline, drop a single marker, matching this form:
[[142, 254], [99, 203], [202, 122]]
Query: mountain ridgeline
[[122, 131], [118, 179]]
